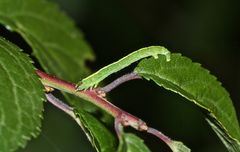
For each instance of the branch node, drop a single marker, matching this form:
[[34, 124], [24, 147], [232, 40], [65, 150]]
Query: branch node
[[48, 89], [118, 126]]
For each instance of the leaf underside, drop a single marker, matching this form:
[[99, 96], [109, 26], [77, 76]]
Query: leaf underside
[[21, 98], [131, 143], [101, 138], [195, 83], [177, 146]]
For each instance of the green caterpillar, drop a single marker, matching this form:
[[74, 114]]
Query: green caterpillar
[[93, 80]]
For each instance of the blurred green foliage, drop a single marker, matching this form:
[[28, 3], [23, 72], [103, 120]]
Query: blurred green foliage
[[205, 31]]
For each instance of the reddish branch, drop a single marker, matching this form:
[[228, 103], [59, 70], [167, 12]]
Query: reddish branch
[[122, 118], [126, 119]]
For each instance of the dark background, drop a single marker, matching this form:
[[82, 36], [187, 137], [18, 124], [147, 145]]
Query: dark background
[[207, 31]]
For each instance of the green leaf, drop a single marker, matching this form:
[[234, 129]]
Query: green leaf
[[177, 146], [99, 136], [56, 42], [131, 143], [195, 83], [21, 98]]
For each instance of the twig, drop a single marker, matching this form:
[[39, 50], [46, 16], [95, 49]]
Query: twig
[[119, 81], [64, 107], [89, 95], [122, 118], [160, 135], [59, 104]]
